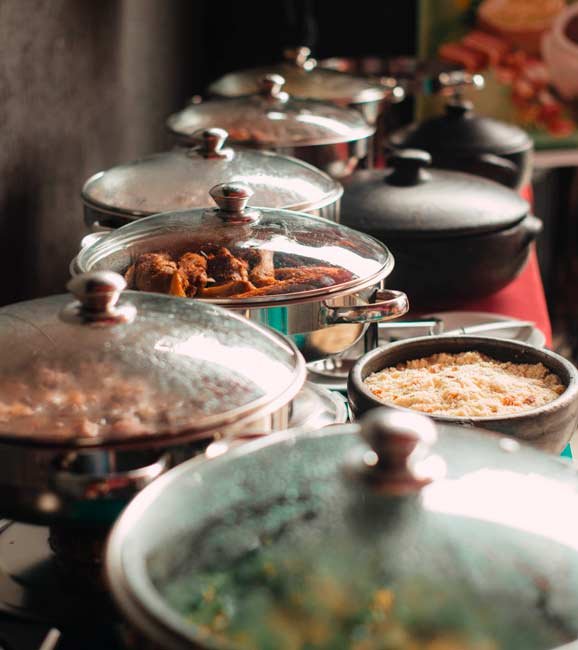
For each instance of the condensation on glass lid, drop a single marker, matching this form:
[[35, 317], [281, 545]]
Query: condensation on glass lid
[[172, 370], [99, 400], [197, 255], [179, 179]]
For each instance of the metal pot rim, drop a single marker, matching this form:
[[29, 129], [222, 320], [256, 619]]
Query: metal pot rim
[[362, 133], [355, 382]]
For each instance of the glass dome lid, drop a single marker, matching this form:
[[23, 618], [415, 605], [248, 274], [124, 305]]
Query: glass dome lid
[[177, 179], [416, 536], [234, 254], [272, 118], [305, 80], [114, 368]]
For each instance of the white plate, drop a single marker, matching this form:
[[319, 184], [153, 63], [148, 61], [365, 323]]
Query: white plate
[[456, 319]]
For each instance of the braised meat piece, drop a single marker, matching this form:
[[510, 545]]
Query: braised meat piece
[[303, 279], [151, 272], [315, 276], [226, 290], [193, 273], [211, 271], [222, 266], [261, 267]]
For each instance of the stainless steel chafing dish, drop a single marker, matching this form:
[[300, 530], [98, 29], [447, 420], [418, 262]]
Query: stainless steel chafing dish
[[306, 80], [100, 395], [178, 180], [331, 287], [333, 138]]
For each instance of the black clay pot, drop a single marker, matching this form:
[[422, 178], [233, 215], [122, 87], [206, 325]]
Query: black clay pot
[[548, 427], [454, 236], [460, 140]]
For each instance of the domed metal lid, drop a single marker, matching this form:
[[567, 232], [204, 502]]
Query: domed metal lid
[[272, 118], [462, 131], [114, 368], [249, 255], [416, 535], [178, 179], [411, 201], [304, 79]]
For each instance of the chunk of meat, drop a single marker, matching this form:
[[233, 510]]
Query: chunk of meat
[[193, 272], [261, 267], [222, 266], [178, 285], [292, 280], [318, 276], [226, 290], [153, 272]]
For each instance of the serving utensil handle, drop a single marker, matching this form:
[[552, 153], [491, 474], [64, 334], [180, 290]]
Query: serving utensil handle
[[389, 304]]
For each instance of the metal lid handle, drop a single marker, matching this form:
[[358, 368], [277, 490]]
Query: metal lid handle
[[458, 108], [301, 57], [271, 87], [455, 81], [399, 460], [97, 295], [232, 200], [211, 142], [408, 167]]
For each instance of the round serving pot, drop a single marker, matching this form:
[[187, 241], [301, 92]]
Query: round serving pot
[[321, 321], [101, 395], [177, 180], [548, 427], [416, 534], [306, 80], [463, 141], [333, 138], [454, 236]]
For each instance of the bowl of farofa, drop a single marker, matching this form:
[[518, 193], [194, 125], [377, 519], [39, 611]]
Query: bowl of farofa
[[498, 384]]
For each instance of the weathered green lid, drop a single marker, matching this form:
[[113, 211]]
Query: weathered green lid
[[413, 536]]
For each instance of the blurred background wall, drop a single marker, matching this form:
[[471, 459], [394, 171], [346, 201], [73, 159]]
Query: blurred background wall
[[83, 85]]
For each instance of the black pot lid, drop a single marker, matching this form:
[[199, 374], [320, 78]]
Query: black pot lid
[[114, 368], [462, 132], [411, 201], [418, 535], [272, 118]]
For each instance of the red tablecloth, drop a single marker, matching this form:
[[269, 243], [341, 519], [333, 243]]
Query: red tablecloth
[[523, 298]]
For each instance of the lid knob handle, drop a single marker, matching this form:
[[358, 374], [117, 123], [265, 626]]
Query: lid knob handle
[[271, 86], [457, 108], [232, 200], [399, 460], [211, 142], [301, 57], [97, 295], [408, 167], [453, 82]]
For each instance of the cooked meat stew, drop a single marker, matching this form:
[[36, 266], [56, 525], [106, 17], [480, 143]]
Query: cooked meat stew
[[214, 271]]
